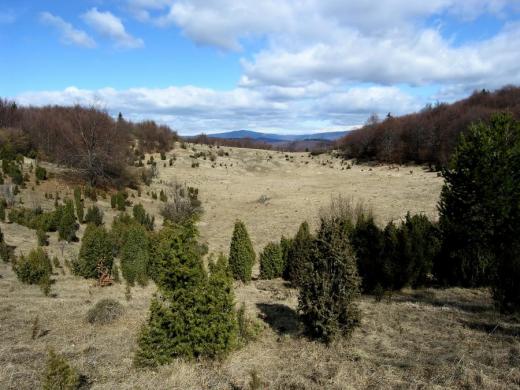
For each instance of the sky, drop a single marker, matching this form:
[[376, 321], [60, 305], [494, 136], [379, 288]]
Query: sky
[[281, 66]]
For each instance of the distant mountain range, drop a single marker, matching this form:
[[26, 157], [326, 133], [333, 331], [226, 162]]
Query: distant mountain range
[[279, 138]]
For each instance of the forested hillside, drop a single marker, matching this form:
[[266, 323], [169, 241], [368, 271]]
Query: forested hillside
[[87, 139], [428, 136]]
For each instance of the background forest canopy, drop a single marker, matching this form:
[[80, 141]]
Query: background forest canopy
[[85, 138], [102, 148], [431, 135]]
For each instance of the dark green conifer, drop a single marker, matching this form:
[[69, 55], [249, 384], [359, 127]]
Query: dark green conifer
[[479, 211], [191, 315], [95, 252], [241, 253], [271, 261], [67, 226], [134, 255], [80, 210], [94, 216], [330, 284], [298, 254]]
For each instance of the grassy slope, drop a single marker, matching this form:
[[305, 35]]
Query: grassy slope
[[431, 338]]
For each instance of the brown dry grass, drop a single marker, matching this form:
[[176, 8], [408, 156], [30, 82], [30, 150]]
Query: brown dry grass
[[415, 339]]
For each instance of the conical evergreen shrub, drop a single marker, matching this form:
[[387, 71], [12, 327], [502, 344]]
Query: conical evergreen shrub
[[59, 375], [419, 251], [271, 261], [479, 211], [3, 206], [298, 254], [95, 250], [172, 238], [80, 209], [94, 215], [191, 315], [285, 246], [142, 217], [34, 268], [241, 253], [134, 255], [67, 226], [222, 321], [368, 243], [330, 284], [5, 252]]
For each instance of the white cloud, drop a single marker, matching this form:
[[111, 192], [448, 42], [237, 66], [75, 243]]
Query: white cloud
[[223, 23], [370, 99], [311, 64], [343, 41], [193, 110], [68, 34], [425, 58], [106, 24]]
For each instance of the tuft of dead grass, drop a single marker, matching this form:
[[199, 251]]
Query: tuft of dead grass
[[104, 312]]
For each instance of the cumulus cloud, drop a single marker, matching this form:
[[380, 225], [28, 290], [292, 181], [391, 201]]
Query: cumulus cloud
[[107, 24], [423, 59], [312, 64], [223, 23], [68, 33], [384, 42], [193, 109]]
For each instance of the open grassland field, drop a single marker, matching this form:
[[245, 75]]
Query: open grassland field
[[273, 192], [413, 339]]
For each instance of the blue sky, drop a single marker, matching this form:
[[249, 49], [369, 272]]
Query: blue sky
[[289, 66]]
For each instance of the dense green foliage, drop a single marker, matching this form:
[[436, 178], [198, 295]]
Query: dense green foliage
[[192, 314], [42, 237], [80, 208], [67, 226], [59, 375], [36, 218], [330, 284], [3, 206], [40, 173], [285, 246], [298, 254], [94, 216], [271, 261], [95, 251], [35, 268], [241, 253], [134, 255], [120, 226], [397, 256], [142, 217], [374, 265], [16, 174], [5, 252], [118, 201], [480, 211], [418, 247]]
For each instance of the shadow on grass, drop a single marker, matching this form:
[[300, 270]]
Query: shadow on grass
[[494, 328], [429, 298], [281, 318]]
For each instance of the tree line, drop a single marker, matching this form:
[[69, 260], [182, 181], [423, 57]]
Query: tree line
[[429, 136], [84, 138]]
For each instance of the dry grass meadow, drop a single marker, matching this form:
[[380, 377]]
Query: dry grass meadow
[[413, 339]]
